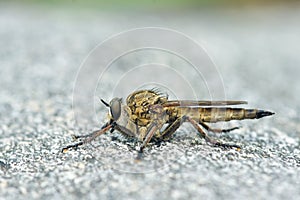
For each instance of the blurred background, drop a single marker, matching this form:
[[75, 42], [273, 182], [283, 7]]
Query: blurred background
[[254, 45], [189, 4]]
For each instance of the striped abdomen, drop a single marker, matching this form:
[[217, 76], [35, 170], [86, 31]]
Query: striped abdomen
[[218, 114]]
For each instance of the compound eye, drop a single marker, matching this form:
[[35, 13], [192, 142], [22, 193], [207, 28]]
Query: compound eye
[[115, 108]]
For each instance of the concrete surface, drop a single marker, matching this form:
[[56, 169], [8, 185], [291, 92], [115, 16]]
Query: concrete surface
[[256, 51]]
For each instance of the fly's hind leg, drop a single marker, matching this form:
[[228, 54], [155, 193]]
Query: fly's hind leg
[[209, 139], [216, 130]]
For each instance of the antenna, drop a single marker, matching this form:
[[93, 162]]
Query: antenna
[[106, 104]]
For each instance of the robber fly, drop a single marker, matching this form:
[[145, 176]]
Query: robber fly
[[147, 111]]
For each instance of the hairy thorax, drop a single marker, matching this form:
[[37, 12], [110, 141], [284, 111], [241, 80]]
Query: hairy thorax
[[141, 106]]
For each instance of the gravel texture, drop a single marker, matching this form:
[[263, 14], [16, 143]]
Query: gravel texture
[[257, 54]]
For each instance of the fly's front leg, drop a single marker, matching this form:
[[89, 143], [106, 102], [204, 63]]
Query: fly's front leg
[[75, 137], [88, 138], [216, 130], [207, 138], [124, 130]]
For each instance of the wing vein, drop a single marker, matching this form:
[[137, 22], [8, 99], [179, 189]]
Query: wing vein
[[189, 103]]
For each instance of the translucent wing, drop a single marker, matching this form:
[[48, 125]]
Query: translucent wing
[[190, 103]]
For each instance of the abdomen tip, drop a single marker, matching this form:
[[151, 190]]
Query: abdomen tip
[[263, 113]]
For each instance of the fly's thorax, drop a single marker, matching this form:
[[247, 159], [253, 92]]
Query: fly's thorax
[[140, 103], [145, 97], [172, 113], [145, 116]]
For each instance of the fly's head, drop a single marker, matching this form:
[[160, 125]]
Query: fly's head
[[114, 108]]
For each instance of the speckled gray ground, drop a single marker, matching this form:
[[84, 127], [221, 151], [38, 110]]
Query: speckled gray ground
[[257, 54]]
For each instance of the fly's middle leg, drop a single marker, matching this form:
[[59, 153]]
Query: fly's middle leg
[[171, 129], [151, 131], [207, 138]]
